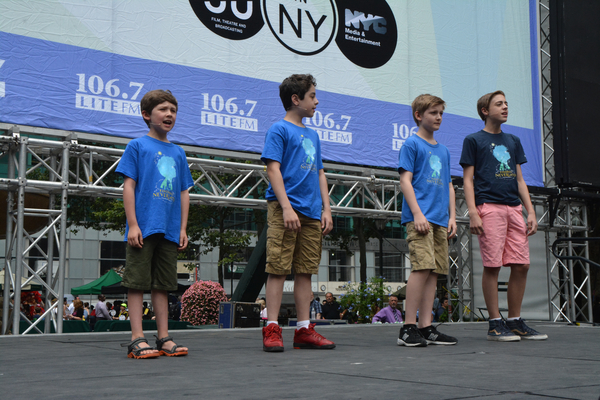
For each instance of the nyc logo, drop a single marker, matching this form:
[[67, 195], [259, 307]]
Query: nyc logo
[[365, 31]]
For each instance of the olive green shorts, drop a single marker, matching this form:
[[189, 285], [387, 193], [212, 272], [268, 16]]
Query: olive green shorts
[[429, 251], [287, 249], [154, 266]]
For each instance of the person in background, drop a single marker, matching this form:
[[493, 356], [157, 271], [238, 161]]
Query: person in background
[[389, 314]]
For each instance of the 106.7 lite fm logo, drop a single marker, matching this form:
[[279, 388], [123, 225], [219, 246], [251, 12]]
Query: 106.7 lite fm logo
[[364, 31]]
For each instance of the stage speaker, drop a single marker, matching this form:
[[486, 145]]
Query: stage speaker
[[575, 66]]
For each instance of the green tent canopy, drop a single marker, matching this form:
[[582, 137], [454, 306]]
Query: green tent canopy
[[95, 287]]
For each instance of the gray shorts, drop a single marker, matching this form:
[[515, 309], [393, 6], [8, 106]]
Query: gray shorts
[[154, 266]]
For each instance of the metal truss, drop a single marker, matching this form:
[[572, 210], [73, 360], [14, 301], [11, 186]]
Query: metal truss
[[460, 276], [569, 289], [65, 167]]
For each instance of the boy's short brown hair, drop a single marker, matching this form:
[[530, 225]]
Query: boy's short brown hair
[[422, 102], [295, 84], [154, 98], [484, 102]]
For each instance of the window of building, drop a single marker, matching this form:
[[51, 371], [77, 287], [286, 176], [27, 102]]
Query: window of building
[[112, 255], [339, 270]]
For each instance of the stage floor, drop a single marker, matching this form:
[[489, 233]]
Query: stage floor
[[367, 364]]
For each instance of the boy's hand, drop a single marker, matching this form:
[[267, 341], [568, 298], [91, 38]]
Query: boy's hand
[[421, 224], [476, 224], [326, 222], [134, 237], [291, 220], [532, 224], [451, 228], [183, 240]]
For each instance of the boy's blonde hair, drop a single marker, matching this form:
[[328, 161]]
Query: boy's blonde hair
[[154, 98], [422, 102], [484, 102]]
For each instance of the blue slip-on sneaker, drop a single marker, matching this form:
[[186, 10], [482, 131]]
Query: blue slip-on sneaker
[[519, 328], [499, 332]]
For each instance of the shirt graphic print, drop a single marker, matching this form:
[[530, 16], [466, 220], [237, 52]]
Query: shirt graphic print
[[502, 155], [167, 169]]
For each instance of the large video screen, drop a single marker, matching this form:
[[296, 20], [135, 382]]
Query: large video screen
[[85, 65]]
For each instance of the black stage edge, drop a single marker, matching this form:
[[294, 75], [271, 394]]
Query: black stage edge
[[367, 364]]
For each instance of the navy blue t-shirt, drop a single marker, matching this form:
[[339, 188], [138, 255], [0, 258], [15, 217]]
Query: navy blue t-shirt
[[495, 157]]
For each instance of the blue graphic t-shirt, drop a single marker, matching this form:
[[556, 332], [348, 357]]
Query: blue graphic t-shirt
[[161, 173], [430, 166], [495, 157], [299, 152]]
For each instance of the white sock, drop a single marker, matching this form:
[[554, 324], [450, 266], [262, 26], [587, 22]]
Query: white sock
[[495, 319], [271, 322], [303, 324], [513, 319]]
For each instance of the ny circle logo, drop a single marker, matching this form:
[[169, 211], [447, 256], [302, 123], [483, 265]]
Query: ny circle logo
[[304, 27]]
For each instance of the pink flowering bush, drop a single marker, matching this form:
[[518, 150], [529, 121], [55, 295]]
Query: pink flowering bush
[[200, 303]]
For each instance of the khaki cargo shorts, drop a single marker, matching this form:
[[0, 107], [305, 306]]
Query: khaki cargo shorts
[[429, 251], [287, 249]]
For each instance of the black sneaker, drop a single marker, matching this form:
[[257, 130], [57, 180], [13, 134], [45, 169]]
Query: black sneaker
[[519, 328], [498, 331], [432, 336], [411, 337]]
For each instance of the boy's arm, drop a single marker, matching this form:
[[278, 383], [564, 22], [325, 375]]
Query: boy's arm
[[134, 236], [452, 212], [532, 223], [421, 223], [185, 209], [290, 218], [326, 220], [469, 190]]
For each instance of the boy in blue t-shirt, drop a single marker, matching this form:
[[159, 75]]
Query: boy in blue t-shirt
[[429, 215], [156, 201], [494, 189], [299, 212]]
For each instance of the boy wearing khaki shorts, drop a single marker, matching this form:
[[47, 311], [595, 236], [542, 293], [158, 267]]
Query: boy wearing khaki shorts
[[299, 213], [156, 200], [429, 215], [494, 189]]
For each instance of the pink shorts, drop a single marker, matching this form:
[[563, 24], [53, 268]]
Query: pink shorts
[[504, 239]]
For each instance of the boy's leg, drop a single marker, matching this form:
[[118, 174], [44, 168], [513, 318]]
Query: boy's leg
[[160, 301], [415, 294], [302, 296], [427, 298], [274, 292], [516, 289], [135, 298], [489, 285]]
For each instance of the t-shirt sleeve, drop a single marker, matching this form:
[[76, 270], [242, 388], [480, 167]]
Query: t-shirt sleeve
[[274, 146], [129, 160], [449, 175], [407, 157], [520, 157], [467, 157], [186, 180], [319, 158]]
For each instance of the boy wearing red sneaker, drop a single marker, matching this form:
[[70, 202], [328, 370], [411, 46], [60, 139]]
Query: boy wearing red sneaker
[[299, 213]]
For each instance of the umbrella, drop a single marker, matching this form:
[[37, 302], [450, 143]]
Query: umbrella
[[118, 289], [400, 293], [96, 286]]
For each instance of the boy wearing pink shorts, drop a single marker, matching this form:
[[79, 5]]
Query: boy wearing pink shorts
[[494, 189]]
